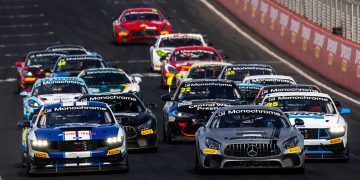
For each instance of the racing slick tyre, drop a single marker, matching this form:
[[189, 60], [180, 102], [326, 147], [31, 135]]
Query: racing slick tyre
[[167, 137]]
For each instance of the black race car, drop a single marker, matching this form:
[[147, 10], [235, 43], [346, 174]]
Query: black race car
[[193, 103], [138, 121]]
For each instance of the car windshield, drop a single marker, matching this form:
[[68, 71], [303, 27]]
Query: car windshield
[[124, 106], [205, 72], [79, 116], [105, 79], [46, 62], [77, 66], [142, 16], [195, 55], [238, 74], [178, 42], [270, 81], [302, 103], [209, 91], [57, 88], [250, 120]]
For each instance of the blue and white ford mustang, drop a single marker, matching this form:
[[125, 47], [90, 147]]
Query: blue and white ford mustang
[[73, 137], [325, 130], [53, 90]]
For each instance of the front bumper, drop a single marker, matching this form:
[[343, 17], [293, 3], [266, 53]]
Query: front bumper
[[326, 149], [140, 140], [97, 162], [227, 162]]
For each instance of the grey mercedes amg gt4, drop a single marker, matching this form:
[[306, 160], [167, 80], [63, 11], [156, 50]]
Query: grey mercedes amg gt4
[[249, 137]]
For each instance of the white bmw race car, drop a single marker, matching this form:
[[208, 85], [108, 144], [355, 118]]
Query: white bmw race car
[[324, 129], [165, 44]]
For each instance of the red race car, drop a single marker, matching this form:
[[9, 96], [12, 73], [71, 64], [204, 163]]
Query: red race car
[[140, 25], [181, 59], [36, 65]]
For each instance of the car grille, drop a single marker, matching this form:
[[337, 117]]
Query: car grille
[[145, 32], [314, 133], [130, 132], [86, 145], [258, 164], [252, 150]]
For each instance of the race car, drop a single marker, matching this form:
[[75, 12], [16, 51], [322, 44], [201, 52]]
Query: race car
[[74, 137], [71, 66], [52, 90], [103, 80], [36, 65], [181, 60], [202, 70], [325, 130], [249, 137], [165, 44], [137, 120], [266, 80], [237, 72], [284, 88], [71, 50], [140, 24], [192, 105]]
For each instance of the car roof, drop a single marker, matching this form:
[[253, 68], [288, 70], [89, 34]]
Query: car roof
[[311, 94], [72, 104]]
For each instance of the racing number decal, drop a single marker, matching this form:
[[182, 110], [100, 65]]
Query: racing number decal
[[272, 104], [229, 72], [61, 63], [185, 89]]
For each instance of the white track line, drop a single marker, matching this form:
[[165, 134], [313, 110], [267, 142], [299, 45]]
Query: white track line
[[26, 35], [20, 6], [8, 80], [21, 16], [23, 25], [264, 48]]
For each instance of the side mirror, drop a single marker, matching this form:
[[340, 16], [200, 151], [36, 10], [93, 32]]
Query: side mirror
[[226, 57], [337, 103], [166, 97], [152, 106], [345, 111], [24, 124], [24, 93], [113, 18], [162, 58], [299, 122], [167, 17], [137, 79], [19, 64]]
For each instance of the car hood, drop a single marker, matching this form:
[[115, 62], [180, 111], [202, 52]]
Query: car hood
[[55, 98], [234, 135], [314, 120], [142, 24], [132, 119], [76, 131]]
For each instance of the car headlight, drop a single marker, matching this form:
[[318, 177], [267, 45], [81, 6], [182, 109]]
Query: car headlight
[[212, 144], [182, 114], [39, 143], [117, 140], [145, 125], [290, 143], [33, 104], [133, 90], [28, 73], [337, 129], [161, 53]]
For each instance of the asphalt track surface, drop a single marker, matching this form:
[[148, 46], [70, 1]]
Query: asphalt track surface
[[34, 24]]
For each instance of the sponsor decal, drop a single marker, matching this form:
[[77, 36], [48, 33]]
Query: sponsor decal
[[83, 58], [249, 68], [114, 151], [284, 20], [67, 49], [273, 15], [331, 48], [41, 155], [335, 141], [357, 61], [147, 132], [318, 42], [271, 80], [110, 97], [181, 36], [80, 154], [207, 84], [104, 72], [141, 12], [345, 57], [294, 28], [306, 37], [263, 9], [249, 111], [193, 51], [311, 98], [44, 55], [209, 151], [59, 82], [208, 106], [290, 90], [70, 108], [246, 2], [254, 4], [294, 150]]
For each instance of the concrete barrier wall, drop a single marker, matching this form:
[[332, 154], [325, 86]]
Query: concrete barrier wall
[[333, 57]]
